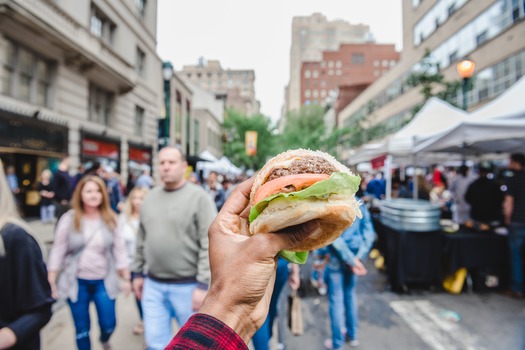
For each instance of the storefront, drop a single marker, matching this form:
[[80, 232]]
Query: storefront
[[30, 145], [139, 158], [95, 148]]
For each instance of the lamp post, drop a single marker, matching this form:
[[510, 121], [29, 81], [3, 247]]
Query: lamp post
[[465, 70], [167, 74]]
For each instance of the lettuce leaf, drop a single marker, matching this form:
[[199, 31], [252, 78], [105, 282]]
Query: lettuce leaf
[[338, 183]]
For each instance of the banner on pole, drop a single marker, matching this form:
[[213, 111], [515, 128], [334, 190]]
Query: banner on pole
[[250, 142]]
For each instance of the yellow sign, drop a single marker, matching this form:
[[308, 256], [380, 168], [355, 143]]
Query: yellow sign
[[250, 142]]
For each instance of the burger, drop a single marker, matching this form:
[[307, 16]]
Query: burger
[[298, 186]]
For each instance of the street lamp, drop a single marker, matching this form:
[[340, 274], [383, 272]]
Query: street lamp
[[167, 74], [465, 70]]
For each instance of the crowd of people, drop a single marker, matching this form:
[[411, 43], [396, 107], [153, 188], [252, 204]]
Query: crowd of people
[[484, 197], [159, 242]]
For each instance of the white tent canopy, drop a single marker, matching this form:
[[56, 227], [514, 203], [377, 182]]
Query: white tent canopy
[[511, 103], [434, 117], [207, 155], [498, 127], [222, 166]]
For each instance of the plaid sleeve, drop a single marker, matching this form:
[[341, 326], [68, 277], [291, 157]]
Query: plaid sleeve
[[206, 332]]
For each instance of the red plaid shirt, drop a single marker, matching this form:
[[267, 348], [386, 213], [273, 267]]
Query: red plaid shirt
[[206, 332]]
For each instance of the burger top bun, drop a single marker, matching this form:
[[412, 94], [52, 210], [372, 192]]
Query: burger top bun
[[284, 160]]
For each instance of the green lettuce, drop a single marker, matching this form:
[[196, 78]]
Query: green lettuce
[[338, 183]]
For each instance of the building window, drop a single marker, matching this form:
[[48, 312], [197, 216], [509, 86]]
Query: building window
[[100, 105], [315, 74], [338, 72], [330, 64], [101, 26], [307, 74], [26, 76], [338, 64], [141, 7], [358, 58], [139, 121], [307, 93], [434, 18], [140, 62]]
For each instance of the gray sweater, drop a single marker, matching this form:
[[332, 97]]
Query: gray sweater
[[172, 242]]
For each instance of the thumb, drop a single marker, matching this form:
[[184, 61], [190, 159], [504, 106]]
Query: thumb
[[293, 236]]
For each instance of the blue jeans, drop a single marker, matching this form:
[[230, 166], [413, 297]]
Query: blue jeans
[[342, 303], [160, 303], [516, 241], [92, 290], [262, 337], [47, 213]]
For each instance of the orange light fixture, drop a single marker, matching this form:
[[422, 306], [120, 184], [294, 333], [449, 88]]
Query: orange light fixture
[[466, 68]]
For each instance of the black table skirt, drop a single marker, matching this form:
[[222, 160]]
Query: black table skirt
[[425, 258]]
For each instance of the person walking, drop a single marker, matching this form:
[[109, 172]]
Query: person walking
[[92, 254], [129, 220], [145, 179], [62, 187], [458, 188], [47, 208], [514, 212], [345, 262], [215, 190], [25, 295], [485, 198], [173, 244]]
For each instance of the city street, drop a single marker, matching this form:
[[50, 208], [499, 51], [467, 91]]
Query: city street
[[419, 319]]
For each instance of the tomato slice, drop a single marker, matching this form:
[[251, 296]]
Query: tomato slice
[[299, 181]]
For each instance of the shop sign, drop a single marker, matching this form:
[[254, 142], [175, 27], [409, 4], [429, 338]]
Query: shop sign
[[32, 135], [139, 155], [98, 148]]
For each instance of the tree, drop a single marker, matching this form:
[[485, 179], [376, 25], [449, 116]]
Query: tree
[[235, 125], [304, 129], [430, 78]]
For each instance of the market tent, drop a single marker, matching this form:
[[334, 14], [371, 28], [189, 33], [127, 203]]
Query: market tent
[[498, 135], [222, 166], [434, 117], [511, 103], [208, 156], [498, 127]]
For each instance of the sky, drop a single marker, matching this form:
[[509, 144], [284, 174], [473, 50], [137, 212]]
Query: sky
[[248, 34]]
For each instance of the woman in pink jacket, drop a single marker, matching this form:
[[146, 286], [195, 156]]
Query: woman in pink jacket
[[90, 254]]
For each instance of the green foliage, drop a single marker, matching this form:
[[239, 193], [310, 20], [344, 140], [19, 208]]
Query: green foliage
[[429, 78], [304, 129], [235, 125]]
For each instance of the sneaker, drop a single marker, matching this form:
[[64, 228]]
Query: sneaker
[[354, 343], [329, 345]]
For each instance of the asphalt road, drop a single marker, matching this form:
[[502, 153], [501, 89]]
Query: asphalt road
[[419, 319]]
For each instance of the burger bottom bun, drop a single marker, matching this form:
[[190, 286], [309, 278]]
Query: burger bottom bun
[[335, 215]]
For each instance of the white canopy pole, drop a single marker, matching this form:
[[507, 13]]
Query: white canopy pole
[[388, 176]]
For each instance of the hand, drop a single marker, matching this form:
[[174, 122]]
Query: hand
[[243, 267], [125, 287], [54, 291], [197, 299], [7, 338], [359, 269], [138, 284]]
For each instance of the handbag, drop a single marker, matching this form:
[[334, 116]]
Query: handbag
[[295, 315]]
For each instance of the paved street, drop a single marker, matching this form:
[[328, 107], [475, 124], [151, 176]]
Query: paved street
[[417, 320]]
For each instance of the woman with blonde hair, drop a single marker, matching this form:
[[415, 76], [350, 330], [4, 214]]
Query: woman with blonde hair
[[91, 252], [129, 220], [25, 307]]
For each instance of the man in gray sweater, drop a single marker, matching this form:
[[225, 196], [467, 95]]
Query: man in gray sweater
[[171, 270]]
